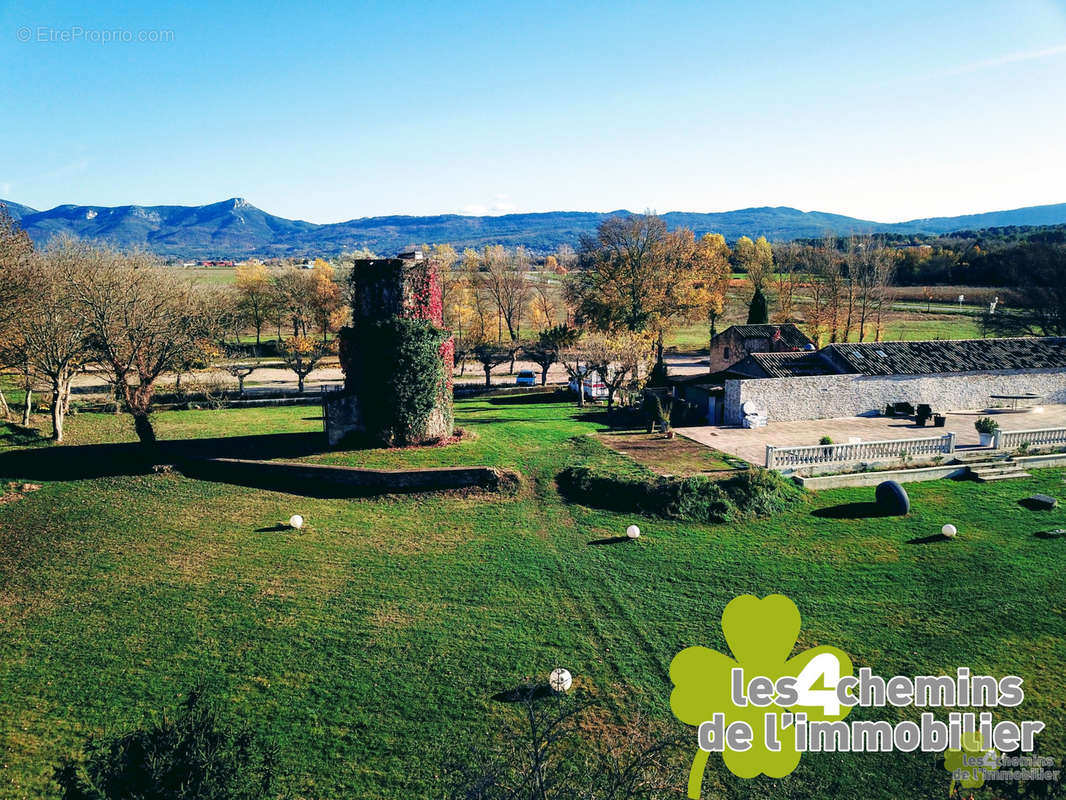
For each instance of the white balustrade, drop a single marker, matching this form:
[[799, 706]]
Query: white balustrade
[[790, 458]]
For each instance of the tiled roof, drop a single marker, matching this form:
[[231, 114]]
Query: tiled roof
[[964, 355], [788, 365], [790, 334]]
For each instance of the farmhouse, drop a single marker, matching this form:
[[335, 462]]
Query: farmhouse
[[738, 341], [849, 380]]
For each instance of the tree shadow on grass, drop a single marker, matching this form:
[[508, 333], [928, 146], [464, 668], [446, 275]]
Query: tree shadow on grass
[[14, 435], [523, 694], [530, 398], [80, 462], [852, 511]]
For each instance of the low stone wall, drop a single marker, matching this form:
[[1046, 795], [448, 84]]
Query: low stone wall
[[323, 480], [829, 396], [852, 479]]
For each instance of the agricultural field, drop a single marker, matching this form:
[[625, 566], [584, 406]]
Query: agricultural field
[[370, 644]]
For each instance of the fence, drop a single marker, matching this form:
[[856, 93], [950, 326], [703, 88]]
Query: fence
[[1038, 437], [784, 458]]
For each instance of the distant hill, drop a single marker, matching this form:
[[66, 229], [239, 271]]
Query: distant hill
[[235, 228]]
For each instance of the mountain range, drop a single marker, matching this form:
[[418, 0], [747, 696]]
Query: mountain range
[[234, 228]]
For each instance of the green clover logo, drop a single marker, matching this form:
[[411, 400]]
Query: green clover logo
[[761, 635], [972, 776]]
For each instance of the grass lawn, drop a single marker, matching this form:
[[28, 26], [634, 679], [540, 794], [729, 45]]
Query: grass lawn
[[375, 638]]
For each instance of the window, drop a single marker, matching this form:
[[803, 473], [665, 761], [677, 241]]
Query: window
[[725, 353]]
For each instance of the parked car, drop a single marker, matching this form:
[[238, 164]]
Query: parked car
[[525, 378], [595, 388]]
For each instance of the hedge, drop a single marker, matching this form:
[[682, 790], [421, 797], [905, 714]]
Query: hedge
[[751, 493]]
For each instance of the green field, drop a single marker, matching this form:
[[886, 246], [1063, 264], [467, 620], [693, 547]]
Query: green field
[[373, 640], [899, 327]]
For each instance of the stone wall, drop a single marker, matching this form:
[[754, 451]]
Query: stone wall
[[396, 303], [321, 480], [828, 396], [340, 415]]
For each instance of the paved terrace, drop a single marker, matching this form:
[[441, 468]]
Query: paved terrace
[[750, 444]]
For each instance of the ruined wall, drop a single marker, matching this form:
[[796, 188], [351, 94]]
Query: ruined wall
[[395, 341]]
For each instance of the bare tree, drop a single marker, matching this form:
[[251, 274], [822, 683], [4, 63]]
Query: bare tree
[[144, 322], [1040, 299], [15, 249], [544, 756], [822, 265], [241, 373], [53, 330], [255, 296], [506, 281], [294, 294], [786, 279]]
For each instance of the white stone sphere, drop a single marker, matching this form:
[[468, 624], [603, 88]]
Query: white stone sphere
[[949, 531], [633, 532], [296, 521], [560, 680]]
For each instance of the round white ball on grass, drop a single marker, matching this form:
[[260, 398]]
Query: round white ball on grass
[[633, 532], [949, 531], [560, 680], [296, 521]]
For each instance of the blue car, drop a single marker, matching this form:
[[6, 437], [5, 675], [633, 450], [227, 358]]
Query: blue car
[[525, 378]]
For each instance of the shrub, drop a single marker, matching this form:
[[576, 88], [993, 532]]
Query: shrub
[[193, 756], [986, 425], [826, 440], [751, 493]]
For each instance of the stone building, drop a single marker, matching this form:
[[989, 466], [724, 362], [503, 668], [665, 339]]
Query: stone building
[[396, 356], [738, 341], [849, 380]]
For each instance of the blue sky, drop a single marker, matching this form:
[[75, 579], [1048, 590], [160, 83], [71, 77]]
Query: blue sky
[[330, 111]]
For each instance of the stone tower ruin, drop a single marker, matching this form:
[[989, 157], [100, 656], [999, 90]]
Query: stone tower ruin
[[396, 356]]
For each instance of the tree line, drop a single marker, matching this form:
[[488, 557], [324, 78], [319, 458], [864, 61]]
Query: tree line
[[606, 307], [73, 306]]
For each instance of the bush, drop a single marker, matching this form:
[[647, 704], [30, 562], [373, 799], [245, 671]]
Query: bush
[[193, 756], [826, 440], [751, 493], [986, 425]]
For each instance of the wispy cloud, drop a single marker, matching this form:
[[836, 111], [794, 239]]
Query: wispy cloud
[[500, 204], [1012, 58]]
